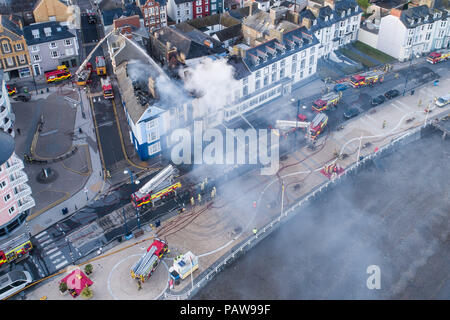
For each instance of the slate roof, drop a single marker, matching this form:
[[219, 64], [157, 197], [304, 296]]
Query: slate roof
[[161, 2], [417, 16], [189, 41], [182, 1], [11, 26], [299, 38], [129, 10], [241, 70], [6, 147], [229, 33], [59, 32]]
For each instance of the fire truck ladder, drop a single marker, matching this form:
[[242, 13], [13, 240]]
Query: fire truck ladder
[[157, 180], [144, 265], [287, 124]]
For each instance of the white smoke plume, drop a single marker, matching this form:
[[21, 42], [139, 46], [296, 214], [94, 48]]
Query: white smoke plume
[[213, 80]]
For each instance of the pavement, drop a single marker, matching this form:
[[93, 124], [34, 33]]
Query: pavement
[[231, 218], [60, 132]]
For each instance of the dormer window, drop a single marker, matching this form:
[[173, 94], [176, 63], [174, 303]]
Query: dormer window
[[349, 11], [331, 16], [35, 34], [342, 14], [314, 22], [48, 32], [356, 9], [326, 18]]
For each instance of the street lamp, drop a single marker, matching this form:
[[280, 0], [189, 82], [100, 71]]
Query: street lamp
[[410, 68], [130, 172]]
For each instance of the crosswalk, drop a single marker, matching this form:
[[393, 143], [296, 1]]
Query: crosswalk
[[50, 252]]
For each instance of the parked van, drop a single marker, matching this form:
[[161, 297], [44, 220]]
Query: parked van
[[13, 282], [442, 101]]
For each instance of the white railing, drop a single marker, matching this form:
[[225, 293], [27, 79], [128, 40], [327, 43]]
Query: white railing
[[289, 213], [17, 164], [4, 112], [27, 203], [26, 191], [18, 180]]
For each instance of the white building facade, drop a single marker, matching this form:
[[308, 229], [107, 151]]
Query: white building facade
[[180, 10], [415, 31]]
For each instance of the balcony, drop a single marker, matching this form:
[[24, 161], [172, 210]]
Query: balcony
[[17, 164], [3, 112], [26, 203], [24, 191], [7, 123], [18, 179]]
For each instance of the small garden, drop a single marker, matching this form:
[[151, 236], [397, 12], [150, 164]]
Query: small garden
[[374, 53]]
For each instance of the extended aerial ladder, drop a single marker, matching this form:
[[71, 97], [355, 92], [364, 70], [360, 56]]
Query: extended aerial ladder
[[313, 128], [158, 187], [145, 266]]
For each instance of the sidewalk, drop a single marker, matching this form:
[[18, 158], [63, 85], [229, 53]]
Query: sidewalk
[[95, 183]]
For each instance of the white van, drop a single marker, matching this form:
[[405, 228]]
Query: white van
[[14, 281], [442, 101]]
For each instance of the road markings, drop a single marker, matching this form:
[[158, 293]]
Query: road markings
[[41, 234], [62, 264], [405, 106], [51, 251], [55, 255], [43, 244], [398, 108]]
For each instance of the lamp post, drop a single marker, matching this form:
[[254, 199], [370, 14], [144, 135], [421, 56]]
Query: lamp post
[[410, 67], [136, 181]]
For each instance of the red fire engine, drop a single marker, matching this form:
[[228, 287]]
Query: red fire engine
[[367, 78], [15, 248], [159, 187], [59, 74], [147, 263], [107, 88], [83, 78], [313, 128], [11, 90], [436, 57], [100, 65], [327, 101]]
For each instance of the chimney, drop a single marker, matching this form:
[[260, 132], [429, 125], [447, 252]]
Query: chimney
[[396, 13], [329, 3], [151, 87], [306, 22]]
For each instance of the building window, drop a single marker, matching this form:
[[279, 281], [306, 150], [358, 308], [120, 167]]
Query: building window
[[178, 13], [154, 148], [282, 63], [303, 54], [151, 124], [266, 81], [301, 74], [312, 50], [22, 59], [294, 67], [54, 54], [258, 73], [19, 47], [7, 197], [10, 62], [34, 48], [35, 34], [310, 70], [52, 45], [198, 2], [311, 60], [245, 80], [199, 9], [257, 84], [6, 47], [302, 64], [245, 91], [274, 77], [281, 73], [2, 184], [274, 67], [36, 58], [153, 136], [11, 210], [67, 42], [48, 32], [213, 6]]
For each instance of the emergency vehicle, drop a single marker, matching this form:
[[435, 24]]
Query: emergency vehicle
[[107, 88], [367, 78], [59, 74], [313, 128], [435, 57], [327, 101], [100, 65], [15, 248], [159, 187], [183, 266], [147, 263], [83, 78], [11, 90]]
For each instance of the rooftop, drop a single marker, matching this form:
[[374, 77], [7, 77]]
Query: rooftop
[[57, 32], [416, 16]]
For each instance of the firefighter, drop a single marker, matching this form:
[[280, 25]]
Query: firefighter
[[213, 192], [139, 284], [192, 201], [199, 198], [255, 231]]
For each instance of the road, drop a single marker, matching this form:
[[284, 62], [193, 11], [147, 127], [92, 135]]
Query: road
[[394, 214]]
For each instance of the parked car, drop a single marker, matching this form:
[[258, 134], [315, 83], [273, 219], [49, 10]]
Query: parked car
[[92, 19], [14, 281], [350, 113], [340, 87], [442, 101], [22, 96], [392, 94], [378, 100]]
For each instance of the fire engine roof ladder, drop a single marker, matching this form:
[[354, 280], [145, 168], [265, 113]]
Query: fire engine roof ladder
[[143, 261], [164, 174]]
